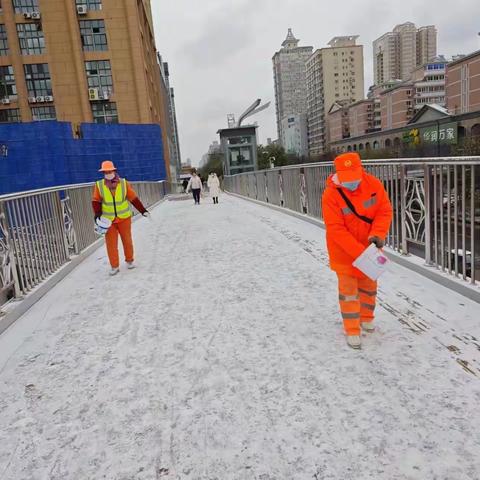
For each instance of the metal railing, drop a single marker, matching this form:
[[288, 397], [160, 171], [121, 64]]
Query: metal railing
[[41, 230], [436, 204]]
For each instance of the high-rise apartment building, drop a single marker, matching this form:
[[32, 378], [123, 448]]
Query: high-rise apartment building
[[396, 54], [386, 64], [426, 44], [80, 61], [334, 74], [170, 132], [290, 81]]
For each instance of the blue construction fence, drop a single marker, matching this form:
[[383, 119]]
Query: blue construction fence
[[46, 154]]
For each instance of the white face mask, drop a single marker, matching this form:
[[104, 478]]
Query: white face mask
[[109, 176]]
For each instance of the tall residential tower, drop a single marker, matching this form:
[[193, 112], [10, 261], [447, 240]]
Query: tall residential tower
[[397, 54], [334, 74], [290, 83]]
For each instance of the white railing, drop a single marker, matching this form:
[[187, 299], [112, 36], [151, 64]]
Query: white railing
[[42, 230], [436, 203]]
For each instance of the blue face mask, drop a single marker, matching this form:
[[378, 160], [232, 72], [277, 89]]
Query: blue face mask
[[352, 186]]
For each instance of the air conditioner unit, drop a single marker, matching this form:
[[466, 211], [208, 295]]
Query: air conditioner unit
[[32, 100], [48, 98], [93, 94], [36, 16], [27, 15], [40, 99], [6, 101], [82, 9]]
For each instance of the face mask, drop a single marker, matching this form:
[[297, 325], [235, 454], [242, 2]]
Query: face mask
[[352, 186], [109, 176]]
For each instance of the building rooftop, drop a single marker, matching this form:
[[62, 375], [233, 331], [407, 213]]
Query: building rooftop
[[466, 57], [345, 41], [290, 41]]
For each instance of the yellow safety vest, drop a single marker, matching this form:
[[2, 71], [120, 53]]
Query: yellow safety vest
[[114, 206]]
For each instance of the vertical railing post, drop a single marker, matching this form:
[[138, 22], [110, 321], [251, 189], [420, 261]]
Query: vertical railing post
[[403, 208], [428, 213]]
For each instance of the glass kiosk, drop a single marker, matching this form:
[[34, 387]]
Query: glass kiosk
[[239, 146]]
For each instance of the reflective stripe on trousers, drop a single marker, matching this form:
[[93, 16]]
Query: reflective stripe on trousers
[[357, 298]]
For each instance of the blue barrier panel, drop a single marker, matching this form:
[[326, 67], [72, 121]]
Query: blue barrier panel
[[45, 154]]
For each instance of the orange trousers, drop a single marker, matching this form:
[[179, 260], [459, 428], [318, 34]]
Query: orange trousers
[[124, 229], [357, 297]]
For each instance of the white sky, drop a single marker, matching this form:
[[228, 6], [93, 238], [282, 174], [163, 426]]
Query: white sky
[[220, 51]]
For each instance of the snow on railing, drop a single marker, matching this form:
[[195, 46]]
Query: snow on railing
[[41, 230], [436, 204]]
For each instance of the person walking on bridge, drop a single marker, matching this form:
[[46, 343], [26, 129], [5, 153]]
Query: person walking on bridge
[[195, 185], [357, 212], [214, 187], [111, 197]]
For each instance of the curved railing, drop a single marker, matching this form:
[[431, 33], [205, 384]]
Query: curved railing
[[436, 203], [41, 230]]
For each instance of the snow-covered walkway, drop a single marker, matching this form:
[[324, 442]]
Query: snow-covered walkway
[[222, 357]]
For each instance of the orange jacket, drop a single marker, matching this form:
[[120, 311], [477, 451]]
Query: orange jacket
[[347, 235], [131, 197]]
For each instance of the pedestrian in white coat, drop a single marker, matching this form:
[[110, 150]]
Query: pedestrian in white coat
[[195, 185], [214, 187]]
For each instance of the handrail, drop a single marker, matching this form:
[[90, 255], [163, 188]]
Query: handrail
[[41, 230], [27, 193], [436, 203], [475, 160]]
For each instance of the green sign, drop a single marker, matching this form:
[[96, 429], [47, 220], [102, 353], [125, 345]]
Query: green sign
[[444, 134]]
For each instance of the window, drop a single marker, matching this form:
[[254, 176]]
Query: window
[[38, 79], [99, 75], [105, 112], [94, 36], [90, 4], [7, 82], [10, 115], [3, 41], [44, 113], [25, 6], [30, 36]]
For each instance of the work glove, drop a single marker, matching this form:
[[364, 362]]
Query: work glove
[[97, 216], [377, 241]]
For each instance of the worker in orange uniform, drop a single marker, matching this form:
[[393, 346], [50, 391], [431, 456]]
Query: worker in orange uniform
[[357, 212], [111, 197]]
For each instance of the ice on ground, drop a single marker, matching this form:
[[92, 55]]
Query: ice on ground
[[222, 357]]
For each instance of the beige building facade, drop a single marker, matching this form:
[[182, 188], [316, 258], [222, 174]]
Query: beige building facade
[[334, 74]]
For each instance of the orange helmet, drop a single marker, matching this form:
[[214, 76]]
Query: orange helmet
[[107, 166]]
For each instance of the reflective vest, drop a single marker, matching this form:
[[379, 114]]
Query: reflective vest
[[114, 206]]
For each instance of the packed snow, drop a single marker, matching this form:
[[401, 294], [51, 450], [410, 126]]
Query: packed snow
[[222, 357]]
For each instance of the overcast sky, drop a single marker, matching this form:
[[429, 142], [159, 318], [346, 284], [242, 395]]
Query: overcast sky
[[220, 51]]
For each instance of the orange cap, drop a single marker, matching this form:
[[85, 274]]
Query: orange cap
[[107, 166], [348, 167]]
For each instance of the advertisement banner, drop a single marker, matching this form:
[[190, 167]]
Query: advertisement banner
[[444, 134]]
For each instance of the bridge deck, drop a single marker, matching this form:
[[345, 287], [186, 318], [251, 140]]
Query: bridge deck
[[222, 357]]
